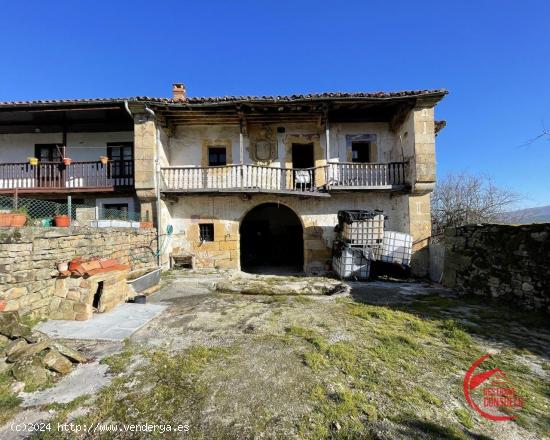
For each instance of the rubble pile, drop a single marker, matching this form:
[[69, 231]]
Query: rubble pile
[[31, 357]]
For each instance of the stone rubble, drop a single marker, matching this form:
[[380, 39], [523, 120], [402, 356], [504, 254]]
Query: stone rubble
[[31, 357]]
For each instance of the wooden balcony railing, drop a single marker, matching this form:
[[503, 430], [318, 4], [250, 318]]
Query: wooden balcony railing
[[352, 175], [239, 178], [56, 176], [272, 179]]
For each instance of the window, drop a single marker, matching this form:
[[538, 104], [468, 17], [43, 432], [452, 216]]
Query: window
[[360, 152], [121, 156], [48, 152], [206, 231], [117, 206], [217, 156]]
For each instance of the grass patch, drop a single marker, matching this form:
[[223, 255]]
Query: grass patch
[[9, 402], [464, 417]]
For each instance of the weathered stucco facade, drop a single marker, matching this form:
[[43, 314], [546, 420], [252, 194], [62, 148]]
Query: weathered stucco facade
[[202, 164], [195, 193]]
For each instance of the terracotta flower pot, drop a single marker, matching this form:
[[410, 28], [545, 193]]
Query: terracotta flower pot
[[3, 303], [145, 225], [62, 221], [18, 220], [5, 219], [67, 161]]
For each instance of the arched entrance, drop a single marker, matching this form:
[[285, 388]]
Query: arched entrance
[[271, 239]]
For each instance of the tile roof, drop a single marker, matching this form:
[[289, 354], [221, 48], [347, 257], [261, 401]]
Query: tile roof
[[235, 99], [306, 97]]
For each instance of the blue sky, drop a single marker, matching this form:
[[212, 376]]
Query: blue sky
[[492, 56]]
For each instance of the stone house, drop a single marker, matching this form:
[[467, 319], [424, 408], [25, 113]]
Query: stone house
[[81, 130], [244, 181]]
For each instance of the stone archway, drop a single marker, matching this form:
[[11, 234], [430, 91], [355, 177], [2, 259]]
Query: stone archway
[[272, 239]]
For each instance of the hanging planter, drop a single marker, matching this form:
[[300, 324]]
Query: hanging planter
[[104, 160], [33, 161], [62, 221], [67, 161]]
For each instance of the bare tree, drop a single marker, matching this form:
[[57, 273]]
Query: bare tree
[[545, 133], [461, 199]]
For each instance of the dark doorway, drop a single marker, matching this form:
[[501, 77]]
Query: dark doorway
[[303, 157], [360, 152], [50, 171], [272, 238], [97, 295]]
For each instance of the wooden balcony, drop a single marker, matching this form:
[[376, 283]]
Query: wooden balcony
[[241, 178], [77, 177], [352, 175], [264, 179]]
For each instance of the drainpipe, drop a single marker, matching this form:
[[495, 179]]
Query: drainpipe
[[157, 184]]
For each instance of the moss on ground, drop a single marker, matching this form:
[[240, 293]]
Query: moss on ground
[[356, 371], [9, 402]]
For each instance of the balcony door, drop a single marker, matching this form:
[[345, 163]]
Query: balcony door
[[121, 163], [303, 161], [49, 172]]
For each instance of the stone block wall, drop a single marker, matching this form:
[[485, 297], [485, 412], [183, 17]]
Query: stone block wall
[[29, 258], [500, 261]]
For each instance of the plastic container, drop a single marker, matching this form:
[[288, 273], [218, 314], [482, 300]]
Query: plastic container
[[396, 248], [350, 263], [366, 232]]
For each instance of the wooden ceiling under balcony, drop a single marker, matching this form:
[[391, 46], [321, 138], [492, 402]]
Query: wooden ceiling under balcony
[[237, 114]]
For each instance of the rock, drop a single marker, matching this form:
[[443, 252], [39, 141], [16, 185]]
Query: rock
[[57, 362], [15, 345], [29, 350], [11, 326], [73, 355], [4, 366], [4, 340], [17, 387], [31, 371]]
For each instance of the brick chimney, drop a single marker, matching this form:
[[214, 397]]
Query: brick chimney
[[178, 92]]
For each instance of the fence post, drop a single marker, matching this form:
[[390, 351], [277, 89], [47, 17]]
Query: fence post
[[70, 207], [16, 200], [96, 214]]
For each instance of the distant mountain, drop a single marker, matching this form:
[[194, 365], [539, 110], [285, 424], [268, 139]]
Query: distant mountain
[[540, 214]]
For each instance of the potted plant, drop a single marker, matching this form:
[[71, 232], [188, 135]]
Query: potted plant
[[67, 161], [3, 304], [104, 159], [19, 217], [33, 161], [62, 221], [5, 219]]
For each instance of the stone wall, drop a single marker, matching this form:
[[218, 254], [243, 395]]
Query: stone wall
[[317, 214], [29, 258], [500, 261]]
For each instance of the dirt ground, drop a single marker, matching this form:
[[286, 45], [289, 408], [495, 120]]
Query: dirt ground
[[382, 360]]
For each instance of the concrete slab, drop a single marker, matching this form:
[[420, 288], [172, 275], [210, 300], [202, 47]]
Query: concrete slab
[[115, 325]]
